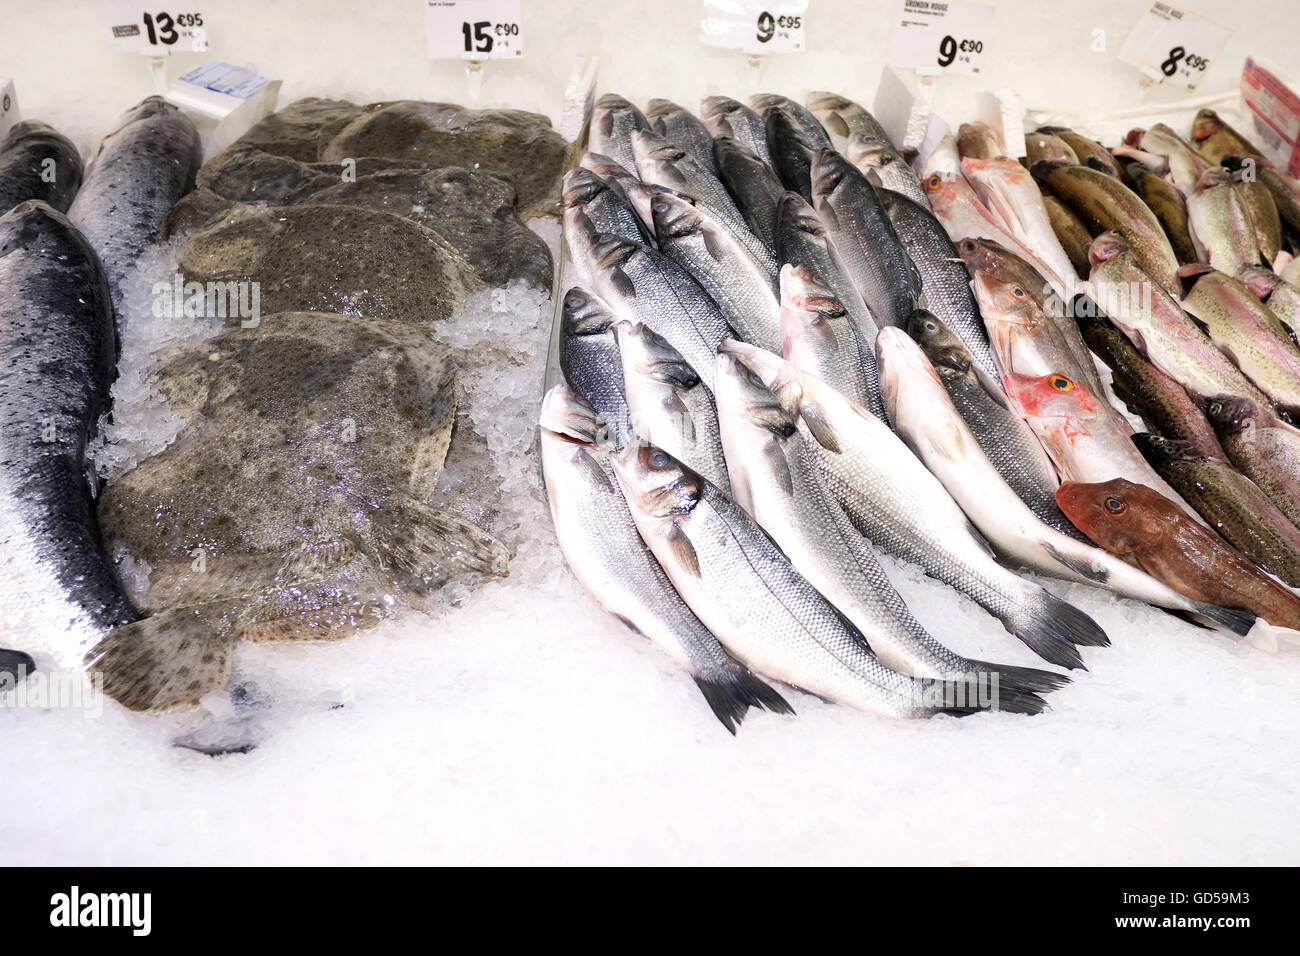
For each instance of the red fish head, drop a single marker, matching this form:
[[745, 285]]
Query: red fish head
[[1118, 515], [1051, 396]]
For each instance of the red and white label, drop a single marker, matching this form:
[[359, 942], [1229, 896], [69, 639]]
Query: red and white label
[[1274, 114]]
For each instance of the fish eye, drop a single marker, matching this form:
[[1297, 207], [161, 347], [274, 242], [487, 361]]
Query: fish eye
[[931, 327], [1115, 506], [1018, 292], [1060, 383], [659, 460], [1216, 408], [934, 181], [786, 430]]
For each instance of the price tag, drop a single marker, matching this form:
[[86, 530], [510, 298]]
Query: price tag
[[236, 81], [474, 29], [9, 112], [1172, 44], [133, 26], [755, 26], [1274, 110], [932, 37]]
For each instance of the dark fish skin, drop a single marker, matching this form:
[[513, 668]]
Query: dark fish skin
[[1008, 442], [792, 152], [1265, 450], [813, 131], [1231, 503], [23, 156], [59, 353], [682, 128], [1169, 206], [1070, 231], [140, 171], [1150, 532], [752, 184], [591, 361], [944, 279], [1149, 393], [605, 205]]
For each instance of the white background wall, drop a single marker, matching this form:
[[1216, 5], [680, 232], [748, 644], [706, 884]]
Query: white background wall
[[374, 49]]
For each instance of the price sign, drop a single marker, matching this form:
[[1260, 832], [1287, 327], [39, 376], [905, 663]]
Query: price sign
[[1274, 110], [932, 37], [474, 29], [755, 26], [133, 26], [1169, 44]]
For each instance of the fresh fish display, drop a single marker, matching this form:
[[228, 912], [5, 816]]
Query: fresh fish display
[[1166, 154], [1246, 331], [613, 121], [819, 337], [740, 585], [607, 208], [60, 354], [904, 510], [1264, 449], [38, 162], [1152, 533], [927, 420], [726, 118], [856, 134], [1090, 153], [775, 479], [141, 169], [945, 283], [1221, 224], [591, 361], [1105, 204], [864, 238], [1160, 329], [1232, 504], [1005, 438], [1162, 404], [669, 405], [601, 544], [665, 164]]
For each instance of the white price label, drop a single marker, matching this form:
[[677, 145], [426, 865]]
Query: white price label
[[755, 26], [9, 112], [1171, 44], [931, 36], [474, 29], [237, 81], [133, 26]]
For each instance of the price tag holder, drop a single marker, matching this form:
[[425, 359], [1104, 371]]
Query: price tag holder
[[933, 37], [1168, 44], [474, 29], [135, 26], [755, 27], [1274, 110], [10, 115]]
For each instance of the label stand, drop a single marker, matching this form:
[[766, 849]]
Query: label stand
[[158, 71], [753, 73], [473, 82]]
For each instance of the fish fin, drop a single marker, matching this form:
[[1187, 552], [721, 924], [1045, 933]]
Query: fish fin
[[683, 551], [622, 282], [991, 387], [15, 666], [952, 697], [421, 548], [978, 535], [819, 425], [314, 559], [776, 460], [169, 659], [1021, 679], [1237, 620], [731, 694], [713, 245], [332, 621], [1051, 628], [1085, 569]]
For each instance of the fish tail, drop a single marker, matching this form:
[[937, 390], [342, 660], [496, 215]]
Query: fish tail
[[731, 693], [1052, 628], [1234, 619], [1021, 679]]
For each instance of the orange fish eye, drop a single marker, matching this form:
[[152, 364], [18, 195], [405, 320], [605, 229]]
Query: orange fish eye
[[1060, 383], [1115, 506], [935, 181]]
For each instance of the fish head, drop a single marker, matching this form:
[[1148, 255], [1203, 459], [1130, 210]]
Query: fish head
[[819, 100], [1117, 515], [1161, 452], [655, 483], [741, 393], [1231, 414], [569, 416], [827, 171], [658, 109], [1005, 301], [794, 212], [715, 107], [863, 150], [1051, 396], [901, 363], [978, 141], [581, 186], [809, 310], [585, 313], [676, 217], [606, 168], [656, 160], [778, 376], [1261, 281], [944, 350], [1212, 178], [1205, 125], [1107, 246], [650, 355], [613, 112]]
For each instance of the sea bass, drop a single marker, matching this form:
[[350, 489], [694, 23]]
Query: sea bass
[[613, 121], [591, 362], [602, 547], [38, 162], [728, 118]]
